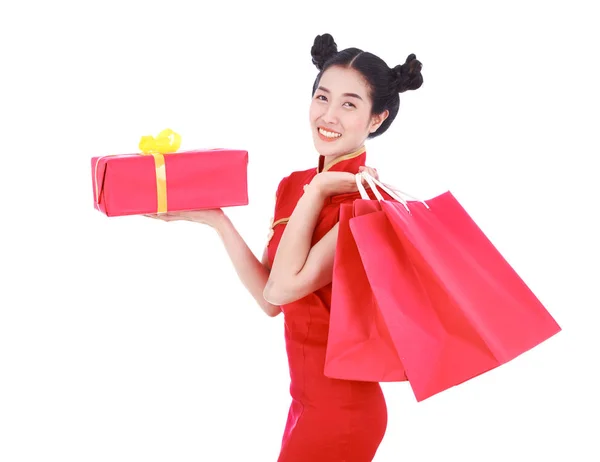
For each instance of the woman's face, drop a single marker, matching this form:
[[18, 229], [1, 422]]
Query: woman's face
[[340, 112]]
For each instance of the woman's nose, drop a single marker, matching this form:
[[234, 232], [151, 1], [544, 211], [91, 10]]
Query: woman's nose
[[330, 116]]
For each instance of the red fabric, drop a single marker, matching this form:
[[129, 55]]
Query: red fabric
[[199, 179], [454, 306], [360, 346], [329, 420]]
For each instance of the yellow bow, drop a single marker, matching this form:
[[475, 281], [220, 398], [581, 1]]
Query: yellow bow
[[166, 142]]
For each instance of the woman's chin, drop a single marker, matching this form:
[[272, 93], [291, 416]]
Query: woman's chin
[[327, 148]]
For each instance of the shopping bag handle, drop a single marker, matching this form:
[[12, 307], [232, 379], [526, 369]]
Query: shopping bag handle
[[371, 181], [388, 188], [395, 193]]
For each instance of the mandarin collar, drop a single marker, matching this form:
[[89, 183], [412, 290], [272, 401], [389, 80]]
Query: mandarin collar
[[345, 163]]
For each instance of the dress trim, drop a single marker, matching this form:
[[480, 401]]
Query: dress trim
[[339, 159]]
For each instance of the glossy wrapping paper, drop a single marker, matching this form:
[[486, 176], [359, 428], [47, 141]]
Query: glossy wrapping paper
[[132, 184]]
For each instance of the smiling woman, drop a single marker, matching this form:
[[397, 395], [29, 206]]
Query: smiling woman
[[354, 98], [341, 119]]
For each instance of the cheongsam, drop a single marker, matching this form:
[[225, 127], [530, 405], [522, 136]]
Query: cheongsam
[[329, 420]]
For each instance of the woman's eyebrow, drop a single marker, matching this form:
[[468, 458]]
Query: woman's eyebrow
[[352, 95]]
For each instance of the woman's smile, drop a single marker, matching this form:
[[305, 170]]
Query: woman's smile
[[327, 135]]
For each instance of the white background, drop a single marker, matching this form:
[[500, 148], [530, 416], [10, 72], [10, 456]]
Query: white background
[[130, 339]]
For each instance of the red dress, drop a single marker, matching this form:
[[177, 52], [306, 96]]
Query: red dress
[[329, 420]]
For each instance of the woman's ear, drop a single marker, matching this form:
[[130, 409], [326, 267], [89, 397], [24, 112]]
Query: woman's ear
[[377, 120]]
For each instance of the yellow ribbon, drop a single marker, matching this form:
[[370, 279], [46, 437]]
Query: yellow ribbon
[[166, 142]]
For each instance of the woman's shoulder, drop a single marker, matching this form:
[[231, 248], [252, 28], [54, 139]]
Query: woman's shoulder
[[295, 180]]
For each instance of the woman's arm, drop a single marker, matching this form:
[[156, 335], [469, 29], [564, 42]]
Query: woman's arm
[[298, 268], [253, 273]]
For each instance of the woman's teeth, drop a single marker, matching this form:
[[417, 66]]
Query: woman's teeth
[[329, 134]]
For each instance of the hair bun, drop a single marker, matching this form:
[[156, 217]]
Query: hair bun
[[408, 75], [323, 48]]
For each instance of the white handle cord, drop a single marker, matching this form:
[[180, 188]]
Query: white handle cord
[[393, 192]]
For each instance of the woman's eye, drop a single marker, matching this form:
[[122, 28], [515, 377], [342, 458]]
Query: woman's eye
[[324, 98]]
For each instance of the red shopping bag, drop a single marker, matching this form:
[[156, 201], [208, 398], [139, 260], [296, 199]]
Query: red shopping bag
[[453, 305], [359, 346]]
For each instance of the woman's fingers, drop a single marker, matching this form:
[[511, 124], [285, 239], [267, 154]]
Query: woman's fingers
[[162, 216], [370, 171], [373, 172]]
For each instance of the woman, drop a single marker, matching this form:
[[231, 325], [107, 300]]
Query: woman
[[355, 97]]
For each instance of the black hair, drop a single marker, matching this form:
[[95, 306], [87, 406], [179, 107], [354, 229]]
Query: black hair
[[384, 83]]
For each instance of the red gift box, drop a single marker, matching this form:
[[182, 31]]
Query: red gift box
[[133, 184]]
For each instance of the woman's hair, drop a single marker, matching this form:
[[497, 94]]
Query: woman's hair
[[384, 83]]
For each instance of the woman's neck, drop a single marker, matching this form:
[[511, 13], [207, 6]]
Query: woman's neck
[[328, 161]]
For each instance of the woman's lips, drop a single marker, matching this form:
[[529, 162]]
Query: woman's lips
[[326, 138]]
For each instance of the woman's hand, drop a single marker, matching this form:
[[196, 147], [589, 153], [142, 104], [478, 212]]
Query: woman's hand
[[371, 171], [210, 217], [336, 183]]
